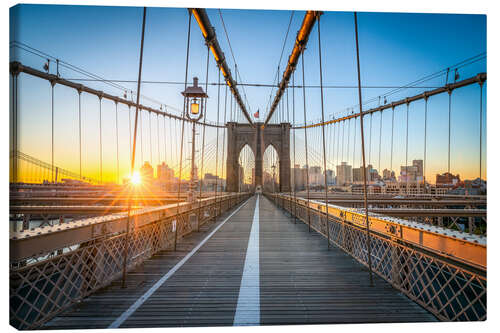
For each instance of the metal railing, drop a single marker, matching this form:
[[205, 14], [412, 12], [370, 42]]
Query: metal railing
[[51, 268], [441, 270]]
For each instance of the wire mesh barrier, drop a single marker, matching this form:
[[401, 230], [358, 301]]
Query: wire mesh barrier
[[54, 277], [451, 287]]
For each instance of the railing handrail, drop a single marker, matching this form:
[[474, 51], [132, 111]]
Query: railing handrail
[[37, 241], [468, 249]]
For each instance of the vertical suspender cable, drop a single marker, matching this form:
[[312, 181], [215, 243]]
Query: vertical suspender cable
[[224, 137], [354, 146], [132, 164], [338, 142], [176, 131], [171, 145], [449, 127], [392, 137], [184, 110], [305, 143], [52, 83], [203, 142], [348, 137], [150, 142], [100, 138], [80, 128], [406, 151], [323, 134], [343, 132], [380, 141], [117, 151], [480, 130], [217, 142], [294, 160], [129, 135], [140, 120], [287, 108], [231, 108], [425, 141], [370, 146], [363, 153], [14, 130], [158, 138], [223, 142], [165, 138], [291, 169]]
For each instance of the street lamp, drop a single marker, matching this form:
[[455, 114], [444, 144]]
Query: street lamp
[[194, 100]]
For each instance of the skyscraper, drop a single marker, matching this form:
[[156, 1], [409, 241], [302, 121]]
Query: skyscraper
[[164, 173], [147, 173], [344, 174], [315, 176]]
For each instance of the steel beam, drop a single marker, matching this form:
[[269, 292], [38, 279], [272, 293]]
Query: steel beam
[[406, 202], [479, 78], [17, 67], [424, 212], [49, 202], [300, 44], [208, 32]]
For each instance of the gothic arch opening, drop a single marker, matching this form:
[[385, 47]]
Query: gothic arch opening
[[246, 169], [271, 169]]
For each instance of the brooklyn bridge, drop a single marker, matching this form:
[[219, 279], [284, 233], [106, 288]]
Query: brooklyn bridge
[[256, 217]]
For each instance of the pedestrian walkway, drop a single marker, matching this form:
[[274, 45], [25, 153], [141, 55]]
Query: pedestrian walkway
[[255, 265]]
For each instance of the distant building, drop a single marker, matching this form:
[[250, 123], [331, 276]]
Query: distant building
[[344, 174], [330, 177], [299, 177], [316, 176], [388, 174], [147, 173], [357, 175], [371, 174], [210, 181], [164, 173], [447, 179], [268, 182], [420, 167], [412, 173]]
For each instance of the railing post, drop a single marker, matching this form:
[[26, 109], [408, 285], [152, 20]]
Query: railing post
[[395, 265]]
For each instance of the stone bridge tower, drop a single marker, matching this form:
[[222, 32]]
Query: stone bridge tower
[[258, 140]]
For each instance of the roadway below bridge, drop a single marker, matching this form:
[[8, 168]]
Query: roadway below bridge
[[254, 266]]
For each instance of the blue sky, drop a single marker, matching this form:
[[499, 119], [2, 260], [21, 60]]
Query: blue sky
[[395, 49]]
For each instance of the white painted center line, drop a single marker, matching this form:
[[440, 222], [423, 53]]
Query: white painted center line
[[125, 315], [248, 308]]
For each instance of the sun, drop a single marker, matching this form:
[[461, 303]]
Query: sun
[[136, 178]]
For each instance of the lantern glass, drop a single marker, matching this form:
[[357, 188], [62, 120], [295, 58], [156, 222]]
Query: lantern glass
[[195, 107]]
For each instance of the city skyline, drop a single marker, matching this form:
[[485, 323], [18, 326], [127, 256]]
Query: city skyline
[[423, 55]]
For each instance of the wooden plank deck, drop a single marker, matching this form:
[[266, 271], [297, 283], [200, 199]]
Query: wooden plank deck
[[300, 282]]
